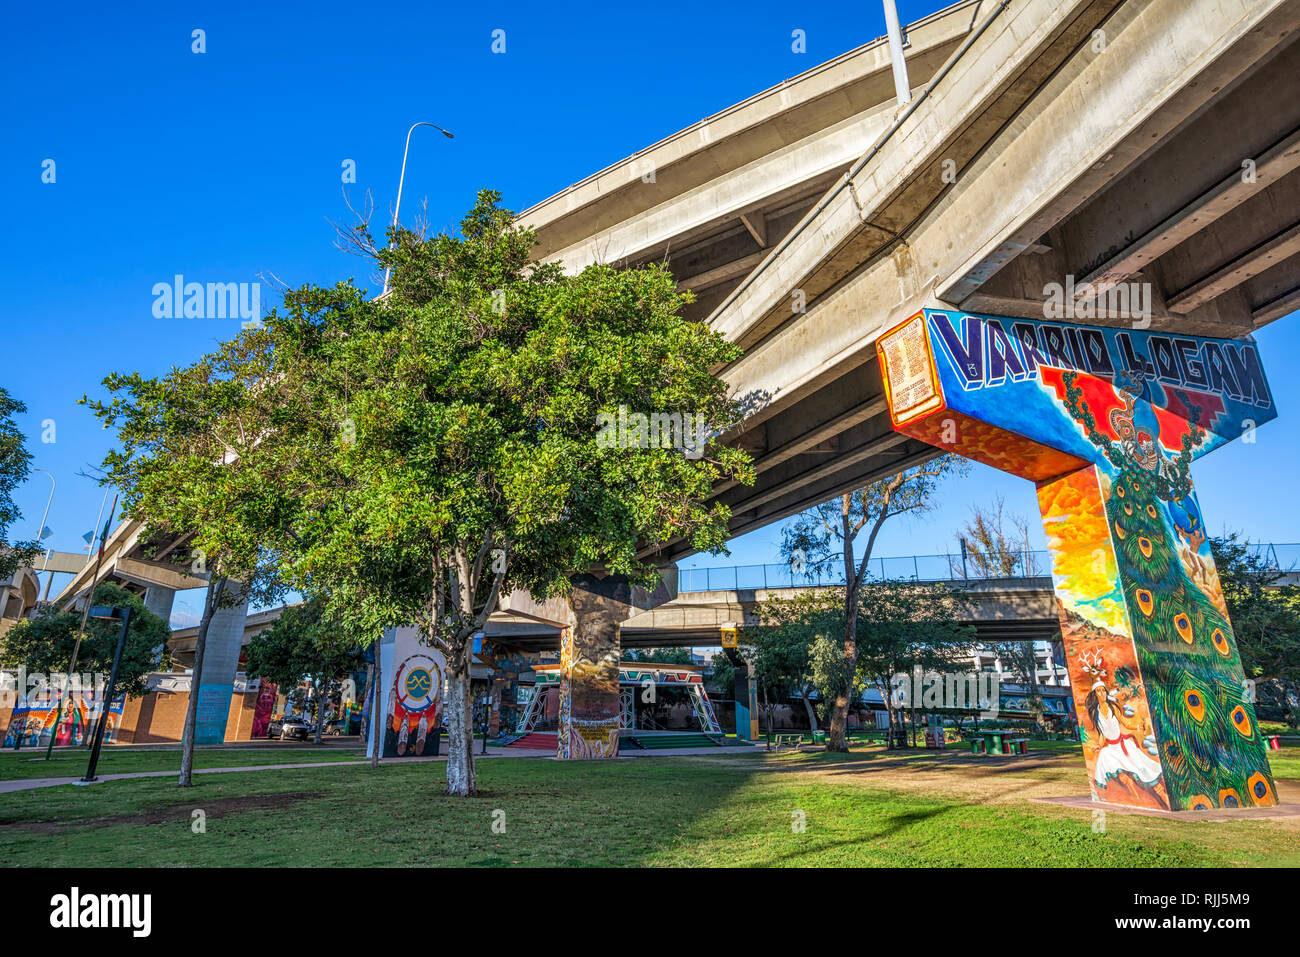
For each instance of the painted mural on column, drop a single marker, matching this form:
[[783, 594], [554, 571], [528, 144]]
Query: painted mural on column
[[589, 702], [413, 696], [1107, 422]]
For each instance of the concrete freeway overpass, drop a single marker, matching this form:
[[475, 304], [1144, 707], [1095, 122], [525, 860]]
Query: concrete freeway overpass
[[816, 214], [1101, 140], [1017, 609]]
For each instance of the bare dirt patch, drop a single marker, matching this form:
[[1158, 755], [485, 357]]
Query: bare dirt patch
[[172, 813]]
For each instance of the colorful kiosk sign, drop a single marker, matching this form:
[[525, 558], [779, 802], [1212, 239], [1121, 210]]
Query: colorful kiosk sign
[[1106, 422], [412, 675]]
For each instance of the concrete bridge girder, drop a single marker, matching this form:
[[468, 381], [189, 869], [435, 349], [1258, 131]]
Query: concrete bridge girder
[[1060, 129]]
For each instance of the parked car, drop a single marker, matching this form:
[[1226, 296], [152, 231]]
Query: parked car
[[274, 727], [299, 728]]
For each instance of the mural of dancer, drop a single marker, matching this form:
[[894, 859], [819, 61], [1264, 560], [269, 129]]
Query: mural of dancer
[[1107, 422]]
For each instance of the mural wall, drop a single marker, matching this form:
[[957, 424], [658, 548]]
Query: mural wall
[[34, 721], [1107, 422], [589, 659], [411, 690]]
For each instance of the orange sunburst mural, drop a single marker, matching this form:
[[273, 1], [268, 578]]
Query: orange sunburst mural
[[1083, 557]]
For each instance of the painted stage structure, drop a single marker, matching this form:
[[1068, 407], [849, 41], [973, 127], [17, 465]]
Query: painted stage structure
[[1106, 422]]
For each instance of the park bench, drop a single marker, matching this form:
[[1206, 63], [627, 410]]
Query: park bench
[[782, 740]]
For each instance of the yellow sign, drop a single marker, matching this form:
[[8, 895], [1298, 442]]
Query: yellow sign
[[907, 368], [729, 636]]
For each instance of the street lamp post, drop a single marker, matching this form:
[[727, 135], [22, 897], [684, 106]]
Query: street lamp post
[[902, 87], [104, 611], [397, 208]]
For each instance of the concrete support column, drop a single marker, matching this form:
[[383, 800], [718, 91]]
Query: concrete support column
[[1106, 422], [220, 661], [159, 599], [1166, 718], [746, 695], [589, 657]]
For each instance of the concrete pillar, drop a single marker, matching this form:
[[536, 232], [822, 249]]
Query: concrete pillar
[[745, 691], [1106, 421], [589, 657], [220, 661], [1157, 679], [159, 600]]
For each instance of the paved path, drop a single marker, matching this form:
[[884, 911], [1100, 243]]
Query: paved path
[[31, 784]]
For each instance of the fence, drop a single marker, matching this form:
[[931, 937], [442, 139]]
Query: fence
[[925, 568]]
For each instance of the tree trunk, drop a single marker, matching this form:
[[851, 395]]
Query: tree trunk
[[460, 731], [890, 711], [812, 715], [835, 738], [192, 707]]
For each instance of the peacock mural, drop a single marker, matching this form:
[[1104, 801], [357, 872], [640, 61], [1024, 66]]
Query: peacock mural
[[1106, 422]]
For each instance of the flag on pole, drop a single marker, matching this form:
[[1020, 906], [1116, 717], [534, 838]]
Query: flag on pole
[[103, 536]]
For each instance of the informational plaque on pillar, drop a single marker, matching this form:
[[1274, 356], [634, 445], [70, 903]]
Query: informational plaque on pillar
[[907, 368]]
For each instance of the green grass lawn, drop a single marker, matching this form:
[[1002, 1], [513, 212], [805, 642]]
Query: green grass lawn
[[71, 762], [871, 807]]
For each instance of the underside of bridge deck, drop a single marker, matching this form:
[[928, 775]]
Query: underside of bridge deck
[[1091, 144]]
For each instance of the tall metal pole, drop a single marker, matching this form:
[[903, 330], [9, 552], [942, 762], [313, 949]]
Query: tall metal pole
[[41, 531], [76, 648], [95, 531], [901, 85], [397, 208], [108, 699]]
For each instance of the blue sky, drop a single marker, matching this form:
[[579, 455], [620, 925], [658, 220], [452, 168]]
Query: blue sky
[[226, 165]]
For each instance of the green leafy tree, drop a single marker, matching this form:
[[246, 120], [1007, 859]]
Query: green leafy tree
[[188, 444], [425, 453], [782, 643], [43, 644], [1265, 616], [720, 679], [306, 644], [667, 656], [835, 530], [908, 625], [15, 462]]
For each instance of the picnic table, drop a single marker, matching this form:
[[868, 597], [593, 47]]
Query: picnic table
[[998, 741]]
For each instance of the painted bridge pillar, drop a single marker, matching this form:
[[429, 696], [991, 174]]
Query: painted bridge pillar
[[220, 662], [745, 689], [590, 649], [1106, 422]]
